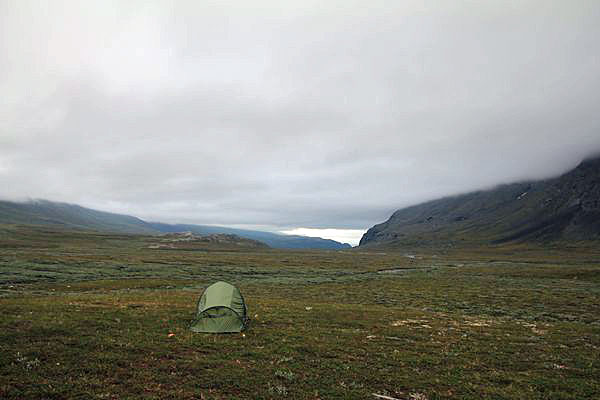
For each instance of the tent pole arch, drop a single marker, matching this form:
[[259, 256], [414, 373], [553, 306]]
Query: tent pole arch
[[229, 308]]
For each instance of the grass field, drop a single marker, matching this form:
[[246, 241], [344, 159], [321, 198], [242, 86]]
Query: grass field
[[92, 316]]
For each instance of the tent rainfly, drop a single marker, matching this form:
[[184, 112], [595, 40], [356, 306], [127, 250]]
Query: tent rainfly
[[221, 309]]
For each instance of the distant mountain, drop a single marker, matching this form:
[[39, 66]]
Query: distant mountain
[[272, 239], [71, 216], [563, 208]]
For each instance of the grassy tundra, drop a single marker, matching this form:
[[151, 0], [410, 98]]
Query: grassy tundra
[[104, 316]]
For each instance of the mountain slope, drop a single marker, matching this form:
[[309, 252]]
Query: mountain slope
[[563, 208], [71, 216]]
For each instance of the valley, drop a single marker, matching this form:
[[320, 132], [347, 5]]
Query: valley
[[99, 315]]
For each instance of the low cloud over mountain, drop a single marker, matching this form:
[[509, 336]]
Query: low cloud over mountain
[[294, 114]]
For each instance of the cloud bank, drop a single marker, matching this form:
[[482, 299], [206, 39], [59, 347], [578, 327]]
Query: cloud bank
[[290, 114]]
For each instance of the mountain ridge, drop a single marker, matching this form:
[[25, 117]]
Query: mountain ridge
[[566, 207], [73, 216]]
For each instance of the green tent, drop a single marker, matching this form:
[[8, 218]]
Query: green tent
[[221, 309]]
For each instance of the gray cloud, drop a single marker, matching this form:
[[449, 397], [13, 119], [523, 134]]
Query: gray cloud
[[293, 114]]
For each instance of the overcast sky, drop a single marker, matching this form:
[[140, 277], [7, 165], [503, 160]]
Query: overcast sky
[[291, 114]]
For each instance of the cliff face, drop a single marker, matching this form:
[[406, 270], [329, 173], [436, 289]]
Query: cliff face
[[563, 208]]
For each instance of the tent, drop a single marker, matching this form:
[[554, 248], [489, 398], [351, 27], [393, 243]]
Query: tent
[[221, 309]]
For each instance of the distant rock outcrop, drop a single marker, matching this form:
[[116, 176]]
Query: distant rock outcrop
[[563, 208], [189, 240]]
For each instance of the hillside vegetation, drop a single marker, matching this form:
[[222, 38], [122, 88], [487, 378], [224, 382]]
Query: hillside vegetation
[[70, 216], [96, 315]]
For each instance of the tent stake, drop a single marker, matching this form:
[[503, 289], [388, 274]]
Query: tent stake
[[384, 397]]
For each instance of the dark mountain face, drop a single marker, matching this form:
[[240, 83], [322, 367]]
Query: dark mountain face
[[71, 216], [563, 208]]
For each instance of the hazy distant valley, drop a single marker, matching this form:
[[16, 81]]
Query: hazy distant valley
[[70, 216]]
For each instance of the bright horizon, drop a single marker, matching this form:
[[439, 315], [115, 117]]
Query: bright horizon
[[350, 236]]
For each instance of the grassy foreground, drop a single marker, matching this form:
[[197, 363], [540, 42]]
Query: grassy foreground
[[106, 316]]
